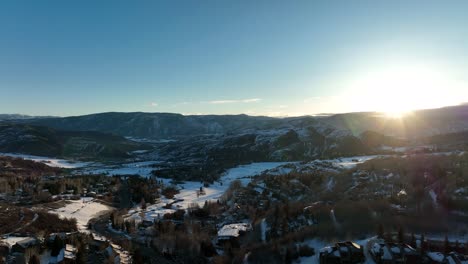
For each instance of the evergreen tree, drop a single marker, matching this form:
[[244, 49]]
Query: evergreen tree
[[413, 240], [401, 235], [34, 260], [81, 256], [446, 245], [57, 245], [423, 244], [380, 231], [112, 219]]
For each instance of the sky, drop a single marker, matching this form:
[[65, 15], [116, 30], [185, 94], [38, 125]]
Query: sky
[[276, 58]]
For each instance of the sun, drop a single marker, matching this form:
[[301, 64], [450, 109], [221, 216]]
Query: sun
[[398, 90], [396, 114]]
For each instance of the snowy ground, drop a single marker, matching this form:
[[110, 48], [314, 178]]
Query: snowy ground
[[82, 210], [319, 244], [143, 168], [351, 162], [52, 162], [188, 190]]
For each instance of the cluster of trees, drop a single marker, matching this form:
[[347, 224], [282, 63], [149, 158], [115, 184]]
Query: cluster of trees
[[47, 223], [140, 188], [187, 241], [421, 242]]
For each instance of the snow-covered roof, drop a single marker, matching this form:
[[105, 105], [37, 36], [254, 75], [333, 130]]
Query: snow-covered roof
[[12, 240], [69, 255], [70, 247], [386, 253], [326, 249], [233, 230], [25, 243], [436, 256], [376, 248]]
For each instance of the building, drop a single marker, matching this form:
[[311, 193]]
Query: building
[[232, 232], [394, 253], [342, 252], [70, 253]]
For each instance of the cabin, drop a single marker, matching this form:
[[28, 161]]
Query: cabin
[[26, 247], [232, 232], [342, 252], [70, 253], [435, 257], [394, 253]]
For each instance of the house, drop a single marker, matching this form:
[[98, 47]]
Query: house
[[455, 258], [411, 254], [232, 232], [22, 245], [98, 243], [26, 247], [435, 257], [393, 253], [147, 223], [70, 253], [342, 252], [329, 255]]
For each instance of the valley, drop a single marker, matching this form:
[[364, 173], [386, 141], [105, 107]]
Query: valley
[[275, 190]]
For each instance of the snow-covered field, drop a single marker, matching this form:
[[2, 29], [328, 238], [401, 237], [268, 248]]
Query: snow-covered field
[[351, 162], [143, 168], [140, 168], [52, 162], [188, 190], [82, 210], [243, 173]]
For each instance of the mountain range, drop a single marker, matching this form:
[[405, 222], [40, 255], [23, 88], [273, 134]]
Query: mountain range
[[169, 125], [228, 139]]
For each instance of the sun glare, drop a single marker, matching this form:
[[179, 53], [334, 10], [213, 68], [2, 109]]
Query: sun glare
[[396, 91], [396, 113]]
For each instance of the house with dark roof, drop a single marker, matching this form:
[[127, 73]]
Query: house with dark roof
[[342, 252], [394, 253]]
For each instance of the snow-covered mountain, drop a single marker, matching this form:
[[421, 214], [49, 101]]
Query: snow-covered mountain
[[45, 141], [168, 125]]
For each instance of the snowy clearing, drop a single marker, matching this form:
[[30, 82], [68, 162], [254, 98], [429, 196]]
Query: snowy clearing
[[82, 210], [52, 162], [351, 162], [189, 191], [143, 168]]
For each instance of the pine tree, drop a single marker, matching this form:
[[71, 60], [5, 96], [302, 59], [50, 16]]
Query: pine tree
[[413, 240], [112, 219], [423, 244], [401, 235], [380, 231], [446, 245], [57, 245], [34, 260]]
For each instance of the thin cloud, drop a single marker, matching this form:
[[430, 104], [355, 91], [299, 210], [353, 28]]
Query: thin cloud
[[312, 99], [153, 104], [250, 100]]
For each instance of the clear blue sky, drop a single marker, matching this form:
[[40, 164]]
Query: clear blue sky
[[255, 57]]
